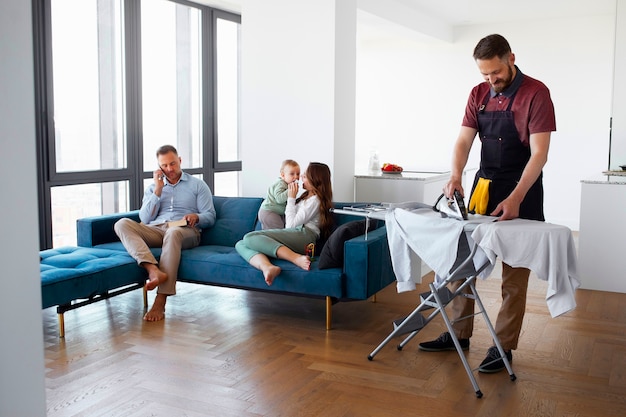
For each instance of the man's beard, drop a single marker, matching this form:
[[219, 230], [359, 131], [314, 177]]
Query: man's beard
[[504, 82]]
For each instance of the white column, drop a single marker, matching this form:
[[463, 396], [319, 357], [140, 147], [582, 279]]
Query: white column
[[345, 99], [288, 87], [22, 387]]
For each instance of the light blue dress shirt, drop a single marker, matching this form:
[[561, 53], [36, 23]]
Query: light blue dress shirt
[[189, 195]]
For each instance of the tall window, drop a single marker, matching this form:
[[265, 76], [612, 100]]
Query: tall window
[[116, 79]]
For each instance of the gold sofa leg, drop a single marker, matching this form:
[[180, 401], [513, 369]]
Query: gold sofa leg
[[61, 325], [145, 297], [329, 312]]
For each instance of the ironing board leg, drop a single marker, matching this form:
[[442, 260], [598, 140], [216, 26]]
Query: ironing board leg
[[401, 329], [426, 321], [492, 331], [455, 339]]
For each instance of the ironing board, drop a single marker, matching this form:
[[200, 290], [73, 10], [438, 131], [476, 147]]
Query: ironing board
[[475, 244]]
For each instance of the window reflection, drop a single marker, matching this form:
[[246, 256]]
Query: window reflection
[[227, 90], [88, 85], [72, 202]]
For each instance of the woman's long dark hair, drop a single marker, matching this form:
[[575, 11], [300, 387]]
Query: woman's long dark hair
[[318, 177]]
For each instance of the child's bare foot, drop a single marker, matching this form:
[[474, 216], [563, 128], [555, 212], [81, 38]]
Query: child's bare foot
[[270, 273], [303, 261], [157, 312], [155, 278]]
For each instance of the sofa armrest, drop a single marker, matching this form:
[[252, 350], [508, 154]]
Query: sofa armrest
[[367, 264], [96, 230]]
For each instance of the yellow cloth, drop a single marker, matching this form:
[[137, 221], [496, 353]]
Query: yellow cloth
[[480, 197]]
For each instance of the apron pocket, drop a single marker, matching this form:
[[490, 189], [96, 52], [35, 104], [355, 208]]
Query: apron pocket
[[491, 153]]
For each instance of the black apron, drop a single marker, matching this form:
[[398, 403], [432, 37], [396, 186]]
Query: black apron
[[503, 159]]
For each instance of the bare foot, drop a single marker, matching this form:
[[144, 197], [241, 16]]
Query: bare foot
[[270, 273], [155, 278], [303, 262], [157, 312]]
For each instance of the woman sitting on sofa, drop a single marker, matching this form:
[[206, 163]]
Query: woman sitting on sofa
[[306, 219]]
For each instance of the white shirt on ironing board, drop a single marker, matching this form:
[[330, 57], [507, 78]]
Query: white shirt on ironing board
[[546, 249]]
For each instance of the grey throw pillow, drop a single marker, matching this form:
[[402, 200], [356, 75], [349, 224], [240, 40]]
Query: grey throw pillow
[[332, 252]]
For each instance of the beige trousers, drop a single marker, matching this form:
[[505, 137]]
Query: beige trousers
[[511, 315], [138, 238]]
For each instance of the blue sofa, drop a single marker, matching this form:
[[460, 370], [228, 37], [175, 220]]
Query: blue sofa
[[366, 267]]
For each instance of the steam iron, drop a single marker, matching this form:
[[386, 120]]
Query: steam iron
[[451, 207]]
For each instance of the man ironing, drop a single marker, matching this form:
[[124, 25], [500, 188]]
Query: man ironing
[[513, 115]]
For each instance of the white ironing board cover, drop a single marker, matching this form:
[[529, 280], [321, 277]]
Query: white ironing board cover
[[546, 249]]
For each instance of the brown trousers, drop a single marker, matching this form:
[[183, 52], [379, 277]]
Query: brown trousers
[[511, 315], [138, 238]]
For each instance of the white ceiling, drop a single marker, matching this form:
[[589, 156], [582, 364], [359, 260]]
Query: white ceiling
[[466, 12], [453, 13], [470, 12]]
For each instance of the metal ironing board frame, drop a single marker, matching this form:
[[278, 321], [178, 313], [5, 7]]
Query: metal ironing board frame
[[438, 298]]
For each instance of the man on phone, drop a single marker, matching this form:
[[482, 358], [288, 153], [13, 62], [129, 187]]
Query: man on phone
[[173, 196]]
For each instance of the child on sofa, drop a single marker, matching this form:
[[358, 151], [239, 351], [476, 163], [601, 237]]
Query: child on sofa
[[307, 218], [272, 211]]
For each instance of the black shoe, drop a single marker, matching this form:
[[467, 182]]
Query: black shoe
[[443, 342], [493, 362]]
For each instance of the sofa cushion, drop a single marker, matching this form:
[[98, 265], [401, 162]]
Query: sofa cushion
[[70, 273], [235, 218], [221, 265], [332, 252]]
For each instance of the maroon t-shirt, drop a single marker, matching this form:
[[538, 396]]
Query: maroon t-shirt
[[532, 108]]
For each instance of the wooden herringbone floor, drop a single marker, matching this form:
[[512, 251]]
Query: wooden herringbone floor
[[224, 352]]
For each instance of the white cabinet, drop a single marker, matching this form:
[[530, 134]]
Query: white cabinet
[[424, 187], [602, 236]]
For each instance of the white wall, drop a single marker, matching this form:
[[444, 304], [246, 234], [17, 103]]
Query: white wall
[[342, 167], [618, 142], [411, 94], [22, 389], [288, 87]]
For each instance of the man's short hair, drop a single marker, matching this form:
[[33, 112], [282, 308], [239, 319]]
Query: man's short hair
[[492, 46], [165, 149]]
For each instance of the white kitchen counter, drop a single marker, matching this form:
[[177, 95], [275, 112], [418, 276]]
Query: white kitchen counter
[[423, 187]]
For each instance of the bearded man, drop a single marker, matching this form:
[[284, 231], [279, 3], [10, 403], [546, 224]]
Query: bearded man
[[513, 116]]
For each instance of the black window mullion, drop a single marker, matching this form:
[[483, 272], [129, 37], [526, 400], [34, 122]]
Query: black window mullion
[[134, 127], [208, 99], [87, 177], [43, 90]]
